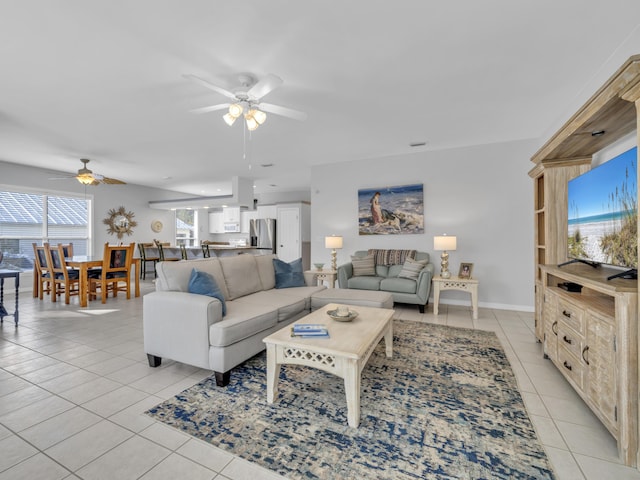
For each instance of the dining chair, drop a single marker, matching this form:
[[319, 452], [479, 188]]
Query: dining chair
[[64, 279], [161, 251], [67, 248], [191, 253], [148, 253], [205, 247], [115, 274], [43, 275]]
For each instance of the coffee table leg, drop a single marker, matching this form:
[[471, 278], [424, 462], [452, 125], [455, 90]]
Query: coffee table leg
[[352, 391], [273, 374], [388, 341]]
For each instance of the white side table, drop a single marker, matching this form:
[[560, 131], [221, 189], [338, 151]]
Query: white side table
[[322, 275], [455, 283]]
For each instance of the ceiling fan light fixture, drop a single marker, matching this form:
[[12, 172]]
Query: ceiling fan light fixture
[[259, 116], [85, 178], [235, 110], [229, 119], [252, 124]]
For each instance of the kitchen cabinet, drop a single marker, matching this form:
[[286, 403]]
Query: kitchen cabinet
[[267, 211], [245, 220], [231, 215], [216, 222]]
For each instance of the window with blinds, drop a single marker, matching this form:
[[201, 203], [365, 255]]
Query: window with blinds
[[27, 218]]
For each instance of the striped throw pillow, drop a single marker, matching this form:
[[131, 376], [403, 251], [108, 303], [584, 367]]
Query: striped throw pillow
[[363, 266], [391, 257], [412, 268]]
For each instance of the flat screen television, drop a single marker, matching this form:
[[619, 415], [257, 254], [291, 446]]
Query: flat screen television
[[602, 207]]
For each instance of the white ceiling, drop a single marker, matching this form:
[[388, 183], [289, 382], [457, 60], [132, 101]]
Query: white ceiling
[[104, 80]]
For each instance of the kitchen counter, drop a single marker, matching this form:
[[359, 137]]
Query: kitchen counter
[[226, 250]]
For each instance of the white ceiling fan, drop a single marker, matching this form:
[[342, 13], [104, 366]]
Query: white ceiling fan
[[246, 99], [87, 177]]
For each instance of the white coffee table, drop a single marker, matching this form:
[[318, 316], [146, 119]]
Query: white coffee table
[[344, 353]]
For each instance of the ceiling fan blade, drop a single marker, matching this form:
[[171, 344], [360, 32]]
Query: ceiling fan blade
[[211, 108], [284, 111], [111, 181], [211, 86], [264, 86]]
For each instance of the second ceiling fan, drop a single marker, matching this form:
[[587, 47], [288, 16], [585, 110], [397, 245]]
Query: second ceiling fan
[[246, 100]]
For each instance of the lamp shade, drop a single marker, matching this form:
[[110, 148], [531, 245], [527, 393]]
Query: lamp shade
[[444, 242], [251, 122], [235, 110], [229, 119], [259, 116], [333, 242]]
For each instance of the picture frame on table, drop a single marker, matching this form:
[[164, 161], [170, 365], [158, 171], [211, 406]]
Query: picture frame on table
[[465, 270]]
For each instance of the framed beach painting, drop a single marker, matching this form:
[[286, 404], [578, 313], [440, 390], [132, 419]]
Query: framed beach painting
[[391, 210]]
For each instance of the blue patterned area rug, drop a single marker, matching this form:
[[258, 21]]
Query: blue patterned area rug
[[446, 406]]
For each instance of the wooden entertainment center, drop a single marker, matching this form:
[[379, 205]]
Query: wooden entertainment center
[[589, 328]]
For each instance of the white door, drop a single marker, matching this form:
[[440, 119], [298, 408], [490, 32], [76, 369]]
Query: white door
[[288, 234]]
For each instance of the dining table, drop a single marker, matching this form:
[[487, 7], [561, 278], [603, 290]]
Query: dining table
[[84, 262]]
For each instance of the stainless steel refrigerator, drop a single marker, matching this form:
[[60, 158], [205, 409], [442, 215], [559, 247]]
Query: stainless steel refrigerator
[[263, 233]]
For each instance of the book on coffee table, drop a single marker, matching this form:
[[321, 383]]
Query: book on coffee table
[[309, 330]]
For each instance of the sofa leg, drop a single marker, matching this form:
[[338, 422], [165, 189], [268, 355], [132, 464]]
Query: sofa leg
[[154, 361], [222, 379], [421, 308]]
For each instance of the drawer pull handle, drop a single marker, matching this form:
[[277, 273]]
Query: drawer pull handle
[[566, 314], [554, 328], [568, 340], [567, 366], [585, 350]]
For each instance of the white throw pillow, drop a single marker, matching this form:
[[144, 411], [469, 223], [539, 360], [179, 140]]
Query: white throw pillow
[[412, 268]]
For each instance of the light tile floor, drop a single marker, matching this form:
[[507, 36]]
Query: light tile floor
[[74, 383]]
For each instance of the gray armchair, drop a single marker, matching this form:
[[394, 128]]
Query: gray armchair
[[386, 278]]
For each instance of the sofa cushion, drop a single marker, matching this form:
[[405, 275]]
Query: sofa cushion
[[394, 270], [241, 275], [412, 268], [391, 256], [174, 276], [203, 283], [287, 306], [363, 266], [398, 285], [244, 319], [365, 283], [289, 275], [266, 271]]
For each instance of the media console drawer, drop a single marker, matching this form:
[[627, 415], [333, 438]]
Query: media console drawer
[[571, 315]]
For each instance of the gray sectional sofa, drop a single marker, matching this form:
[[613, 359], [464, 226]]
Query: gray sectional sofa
[[387, 275], [191, 329]]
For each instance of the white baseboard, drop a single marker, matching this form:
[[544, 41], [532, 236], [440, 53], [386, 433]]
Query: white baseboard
[[497, 306]]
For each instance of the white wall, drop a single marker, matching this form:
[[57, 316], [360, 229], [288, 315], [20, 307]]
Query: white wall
[[481, 194]]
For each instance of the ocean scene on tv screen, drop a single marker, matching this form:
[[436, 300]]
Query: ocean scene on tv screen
[[603, 205]]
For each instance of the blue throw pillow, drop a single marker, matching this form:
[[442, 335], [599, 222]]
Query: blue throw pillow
[[204, 284], [289, 274]]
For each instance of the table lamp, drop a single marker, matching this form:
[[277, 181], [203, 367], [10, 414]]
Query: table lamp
[[333, 242], [444, 243]]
